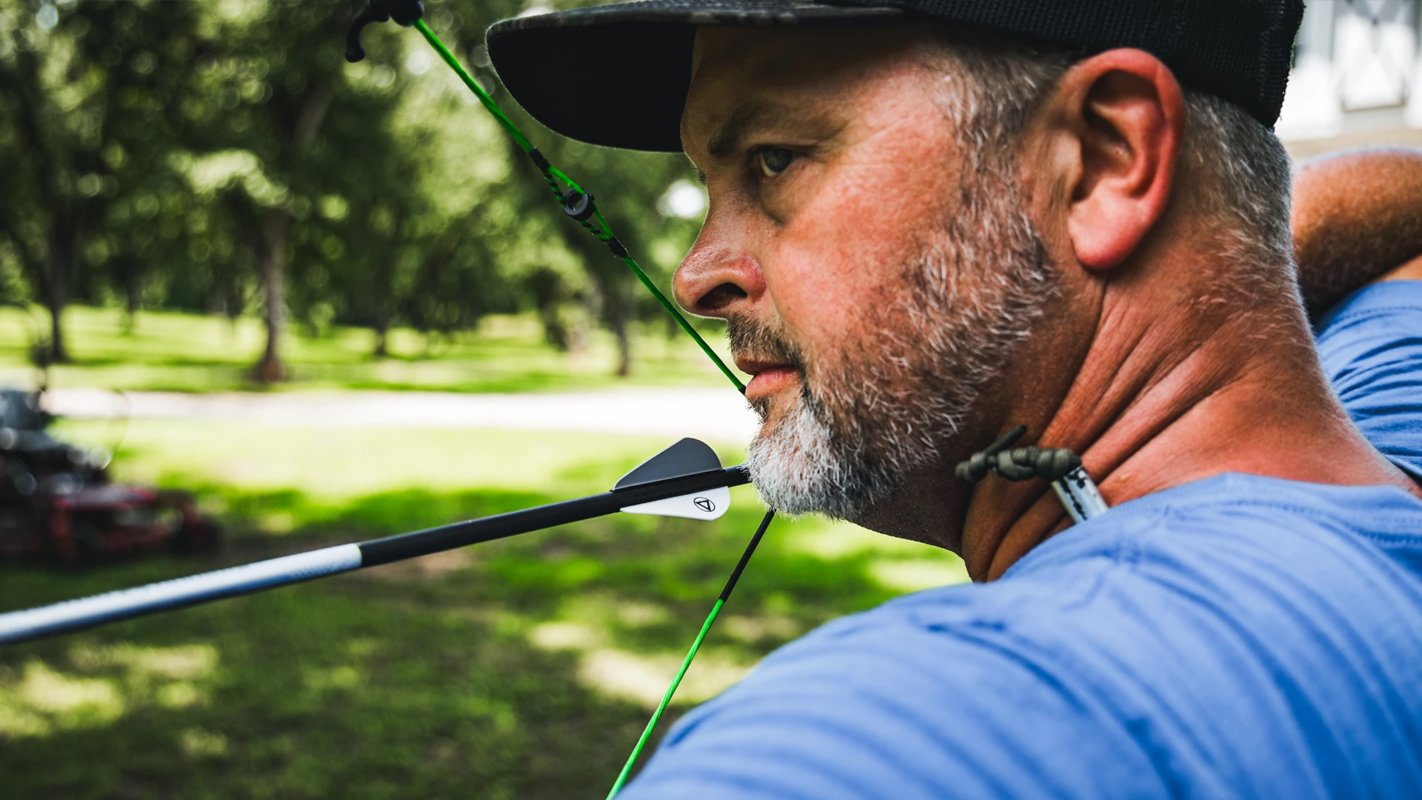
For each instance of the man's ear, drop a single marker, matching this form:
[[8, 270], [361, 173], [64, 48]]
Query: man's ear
[[1123, 114]]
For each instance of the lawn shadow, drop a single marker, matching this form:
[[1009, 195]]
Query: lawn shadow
[[522, 668]]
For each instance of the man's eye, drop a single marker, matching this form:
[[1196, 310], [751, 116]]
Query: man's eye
[[774, 160]]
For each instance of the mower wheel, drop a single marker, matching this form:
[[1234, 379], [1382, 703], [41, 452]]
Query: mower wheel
[[198, 539]]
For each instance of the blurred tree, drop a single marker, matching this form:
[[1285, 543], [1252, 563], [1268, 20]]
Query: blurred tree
[[371, 230], [275, 74], [628, 185], [549, 292], [200, 155], [325, 192], [86, 98], [461, 244]]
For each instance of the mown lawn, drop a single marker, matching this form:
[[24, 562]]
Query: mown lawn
[[195, 353], [524, 668]]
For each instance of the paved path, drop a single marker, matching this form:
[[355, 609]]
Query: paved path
[[713, 414]]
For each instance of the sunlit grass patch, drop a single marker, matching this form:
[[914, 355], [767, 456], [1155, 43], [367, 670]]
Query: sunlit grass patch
[[199, 743], [643, 679], [42, 700], [174, 663], [342, 464], [912, 575], [95, 685], [174, 351]]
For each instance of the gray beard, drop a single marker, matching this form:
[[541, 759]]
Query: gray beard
[[892, 401]]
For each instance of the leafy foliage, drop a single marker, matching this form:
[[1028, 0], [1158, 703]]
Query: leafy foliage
[[223, 157]]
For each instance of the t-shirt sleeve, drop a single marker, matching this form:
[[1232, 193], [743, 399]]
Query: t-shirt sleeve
[[1371, 346], [875, 707]]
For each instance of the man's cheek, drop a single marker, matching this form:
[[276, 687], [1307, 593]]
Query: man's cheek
[[813, 291], [822, 280]]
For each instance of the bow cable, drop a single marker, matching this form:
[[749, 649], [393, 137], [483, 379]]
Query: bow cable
[[580, 205], [691, 654]]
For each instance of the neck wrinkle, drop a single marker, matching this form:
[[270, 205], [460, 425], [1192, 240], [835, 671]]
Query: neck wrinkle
[[1142, 413]]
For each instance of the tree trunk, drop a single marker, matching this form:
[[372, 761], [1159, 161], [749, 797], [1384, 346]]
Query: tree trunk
[[555, 331], [61, 259], [624, 345], [276, 231], [271, 263], [607, 278], [132, 291], [381, 339], [548, 291], [614, 311], [384, 276], [58, 352]]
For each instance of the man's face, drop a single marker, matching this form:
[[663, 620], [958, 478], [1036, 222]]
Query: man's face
[[875, 273]]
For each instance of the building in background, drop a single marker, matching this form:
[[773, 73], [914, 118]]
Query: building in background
[[1357, 77]]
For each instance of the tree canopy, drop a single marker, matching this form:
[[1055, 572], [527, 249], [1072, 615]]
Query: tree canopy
[[223, 157]]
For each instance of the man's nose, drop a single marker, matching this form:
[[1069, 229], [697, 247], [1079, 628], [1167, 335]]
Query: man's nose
[[717, 278]]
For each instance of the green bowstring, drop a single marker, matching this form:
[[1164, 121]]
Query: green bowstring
[[553, 175], [691, 654], [603, 232], [666, 699]]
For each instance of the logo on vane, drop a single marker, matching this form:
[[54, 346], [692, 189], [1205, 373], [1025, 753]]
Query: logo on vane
[[705, 504]]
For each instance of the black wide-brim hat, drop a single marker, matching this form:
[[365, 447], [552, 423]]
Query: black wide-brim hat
[[617, 75]]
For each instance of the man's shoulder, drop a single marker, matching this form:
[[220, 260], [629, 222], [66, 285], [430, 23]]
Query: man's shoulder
[[1371, 348], [1244, 548], [1156, 644]]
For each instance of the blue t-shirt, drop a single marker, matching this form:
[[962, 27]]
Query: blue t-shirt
[[1234, 637], [1371, 346]]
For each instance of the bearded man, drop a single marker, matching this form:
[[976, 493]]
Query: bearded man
[[933, 220]]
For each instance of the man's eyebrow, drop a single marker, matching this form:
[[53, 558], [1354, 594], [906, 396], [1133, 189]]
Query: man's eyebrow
[[727, 140]]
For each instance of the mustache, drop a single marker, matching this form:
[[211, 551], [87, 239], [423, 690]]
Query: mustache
[[750, 337]]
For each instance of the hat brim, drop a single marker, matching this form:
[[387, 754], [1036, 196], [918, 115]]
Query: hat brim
[[617, 75]]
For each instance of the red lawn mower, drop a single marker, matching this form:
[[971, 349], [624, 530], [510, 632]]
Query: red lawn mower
[[56, 500]]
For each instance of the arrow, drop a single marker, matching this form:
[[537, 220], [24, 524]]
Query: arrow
[[684, 472], [579, 205]]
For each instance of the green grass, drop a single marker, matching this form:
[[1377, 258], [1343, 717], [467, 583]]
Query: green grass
[[524, 668], [194, 353]]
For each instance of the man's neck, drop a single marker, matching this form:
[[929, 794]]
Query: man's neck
[[1168, 408]]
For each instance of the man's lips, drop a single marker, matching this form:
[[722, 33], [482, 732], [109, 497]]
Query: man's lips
[[769, 377]]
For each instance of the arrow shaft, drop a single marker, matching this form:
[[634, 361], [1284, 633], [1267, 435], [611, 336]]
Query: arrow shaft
[[88, 612]]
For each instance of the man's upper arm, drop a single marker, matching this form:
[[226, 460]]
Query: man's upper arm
[[894, 710], [1356, 216], [1371, 347], [1411, 271]]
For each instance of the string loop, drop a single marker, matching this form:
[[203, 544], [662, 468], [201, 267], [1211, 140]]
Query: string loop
[[1018, 463]]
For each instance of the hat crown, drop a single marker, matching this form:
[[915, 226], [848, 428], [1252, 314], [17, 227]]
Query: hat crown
[[617, 75]]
